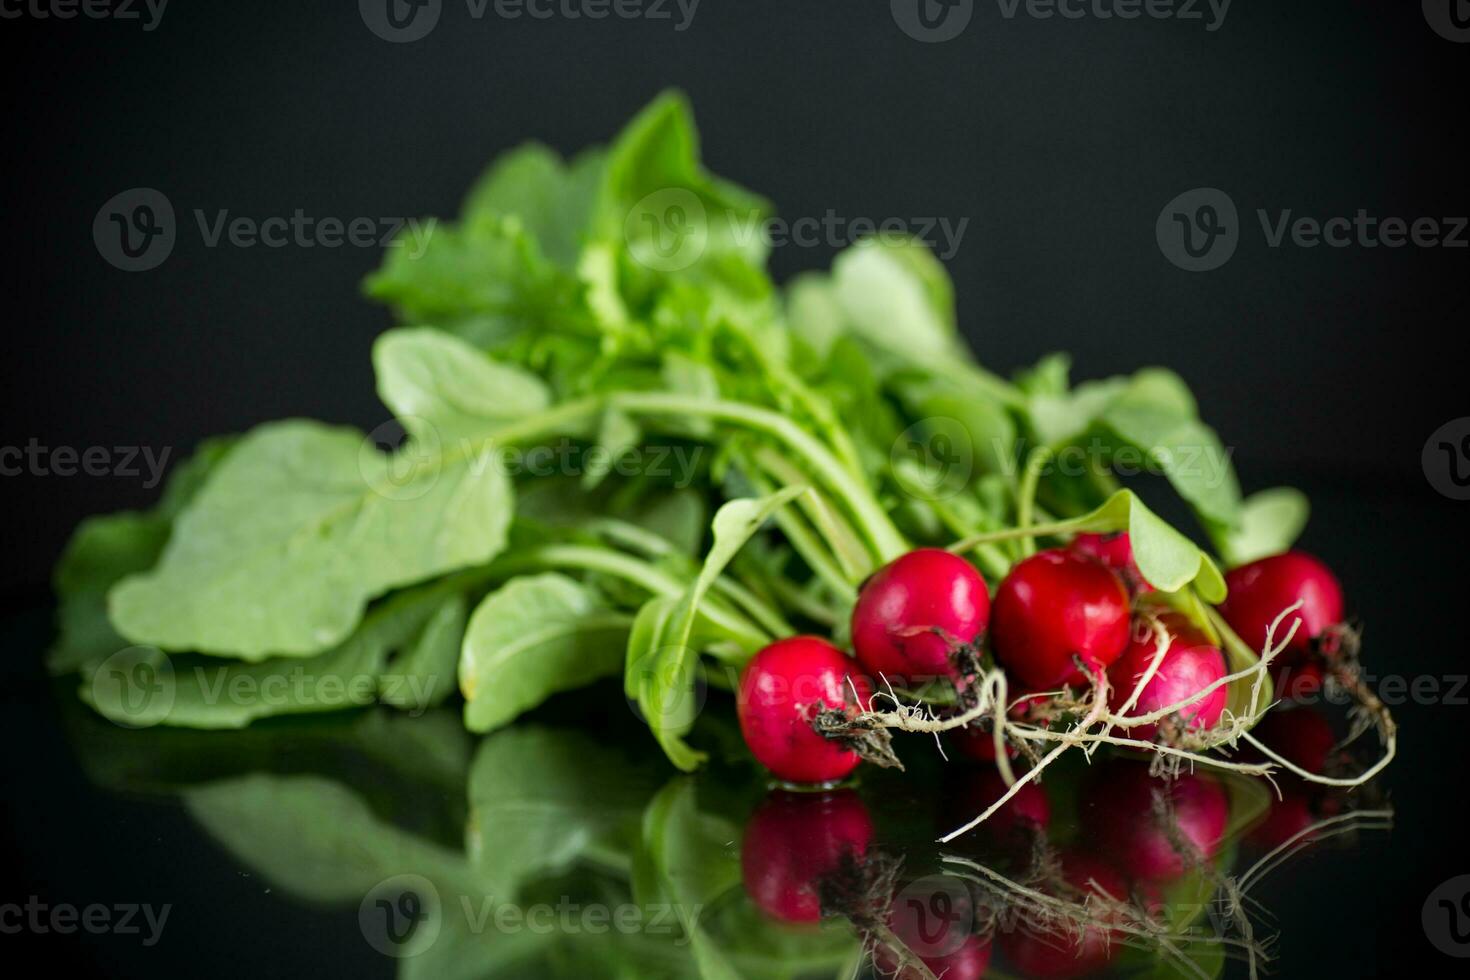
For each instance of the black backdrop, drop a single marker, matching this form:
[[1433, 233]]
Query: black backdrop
[[1059, 141]]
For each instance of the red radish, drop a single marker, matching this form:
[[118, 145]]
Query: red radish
[[793, 841], [781, 691], [1061, 951], [1052, 607], [978, 743], [1299, 681], [1262, 590], [966, 963], [1114, 550], [915, 611], [1190, 664], [1156, 829]]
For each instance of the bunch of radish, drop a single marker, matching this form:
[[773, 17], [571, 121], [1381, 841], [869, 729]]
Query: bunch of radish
[[1067, 619]]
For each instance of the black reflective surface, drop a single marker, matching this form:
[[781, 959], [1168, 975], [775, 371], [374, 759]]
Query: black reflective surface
[[564, 846]]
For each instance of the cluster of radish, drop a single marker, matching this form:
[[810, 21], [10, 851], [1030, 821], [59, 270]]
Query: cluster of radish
[[1060, 618]]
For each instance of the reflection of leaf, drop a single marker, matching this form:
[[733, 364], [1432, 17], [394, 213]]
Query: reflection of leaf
[[315, 838], [541, 798], [535, 636], [689, 865]]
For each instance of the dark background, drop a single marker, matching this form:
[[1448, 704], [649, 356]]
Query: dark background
[[1059, 141]]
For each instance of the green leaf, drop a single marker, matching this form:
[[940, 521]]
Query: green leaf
[[143, 686], [298, 528], [1270, 522], [553, 200], [898, 299], [661, 655], [532, 638], [104, 550], [421, 675], [443, 389], [1156, 413]]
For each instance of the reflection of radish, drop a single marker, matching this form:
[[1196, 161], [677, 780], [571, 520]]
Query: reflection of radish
[[1299, 735], [1053, 607], [914, 612], [781, 691], [966, 963], [1114, 550], [1071, 950], [1190, 664], [1026, 813], [793, 841], [1156, 829], [1262, 590]]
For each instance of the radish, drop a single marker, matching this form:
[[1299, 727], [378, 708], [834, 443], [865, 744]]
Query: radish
[[1300, 735], [781, 691], [969, 962], [1064, 950], [1114, 550], [793, 842], [1263, 589], [914, 614], [1156, 829], [1190, 664], [1056, 606], [975, 741], [1024, 815]]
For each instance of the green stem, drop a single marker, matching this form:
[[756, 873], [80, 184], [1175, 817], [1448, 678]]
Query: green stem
[[807, 544], [885, 538], [847, 548], [640, 573], [1026, 494]]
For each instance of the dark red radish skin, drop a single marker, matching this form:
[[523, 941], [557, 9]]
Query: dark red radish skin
[[1191, 664], [1262, 590], [1300, 681], [782, 690], [1053, 607], [1024, 815], [969, 962], [913, 613], [1122, 816], [1068, 952], [974, 742], [1299, 735], [795, 840], [1114, 550]]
